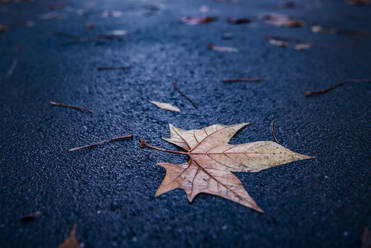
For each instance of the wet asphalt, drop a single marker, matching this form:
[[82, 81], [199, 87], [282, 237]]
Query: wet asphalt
[[109, 190]]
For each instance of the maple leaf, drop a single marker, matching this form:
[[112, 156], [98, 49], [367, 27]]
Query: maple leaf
[[212, 161], [71, 241]]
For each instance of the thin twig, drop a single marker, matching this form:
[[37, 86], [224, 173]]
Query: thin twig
[[11, 69], [311, 93], [102, 68], [66, 35], [242, 80], [287, 39], [183, 94], [273, 133], [341, 83], [100, 142], [70, 106], [77, 39], [144, 144], [30, 217]]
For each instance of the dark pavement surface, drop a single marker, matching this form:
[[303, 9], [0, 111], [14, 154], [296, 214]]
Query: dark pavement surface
[[109, 190]]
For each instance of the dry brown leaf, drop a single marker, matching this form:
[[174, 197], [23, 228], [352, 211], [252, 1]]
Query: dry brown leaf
[[222, 48], [166, 106], [197, 20], [282, 21], [303, 46], [212, 159], [71, 241], [276, 42]]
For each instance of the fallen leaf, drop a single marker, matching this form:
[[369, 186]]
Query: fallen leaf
[[238, 20], [282, 21], [277, 42], [366, 238], [71, 241], [30, 217], [222, 48], [165, 106], [303, 46], [212, 161], [197, 20]]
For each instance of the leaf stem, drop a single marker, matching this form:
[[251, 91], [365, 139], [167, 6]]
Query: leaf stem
[[12, 67], [341, 83], [100, 142], [273, 133], [233, 80], [70, 106], [185, 96], [102, 68], [144, 144]]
